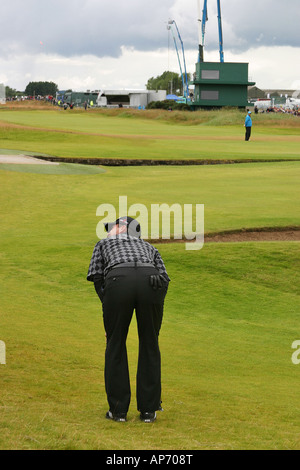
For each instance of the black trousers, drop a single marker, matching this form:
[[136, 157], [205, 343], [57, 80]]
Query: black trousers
[[248, 133], [125, 290]]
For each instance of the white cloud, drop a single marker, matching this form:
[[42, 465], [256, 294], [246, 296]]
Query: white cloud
[[269, 67], [92, 43]]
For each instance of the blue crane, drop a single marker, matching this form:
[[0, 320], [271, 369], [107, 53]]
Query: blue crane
[[184, 77], [220, 32], [205, 19]]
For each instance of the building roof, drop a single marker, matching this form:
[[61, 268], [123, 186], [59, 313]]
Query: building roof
[[255, 92], [125, 92]]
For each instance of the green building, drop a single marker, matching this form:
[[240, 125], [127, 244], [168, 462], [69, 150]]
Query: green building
[[219, 84], [79, 98]]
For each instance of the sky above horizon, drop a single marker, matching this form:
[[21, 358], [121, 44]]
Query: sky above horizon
[[98, 44]]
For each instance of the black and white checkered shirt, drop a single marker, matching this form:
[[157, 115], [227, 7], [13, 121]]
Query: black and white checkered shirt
[[122, 249]]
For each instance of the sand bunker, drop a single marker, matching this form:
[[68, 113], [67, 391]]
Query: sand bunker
[[24, 160]]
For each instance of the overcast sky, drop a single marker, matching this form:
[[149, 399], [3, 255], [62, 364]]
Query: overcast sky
[[95, 44]]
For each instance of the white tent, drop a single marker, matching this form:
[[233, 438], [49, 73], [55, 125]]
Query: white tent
[[2, 94]]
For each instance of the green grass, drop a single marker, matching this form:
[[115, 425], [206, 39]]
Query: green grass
[[61, 169], [232, 311], [148, 135], [228, 380], [231, 316], [235, 196]]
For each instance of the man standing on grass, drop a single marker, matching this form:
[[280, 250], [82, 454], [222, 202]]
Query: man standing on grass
[[248, 125], [129, 273]]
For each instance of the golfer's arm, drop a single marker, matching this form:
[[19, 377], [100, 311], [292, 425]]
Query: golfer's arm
[[160, 266]]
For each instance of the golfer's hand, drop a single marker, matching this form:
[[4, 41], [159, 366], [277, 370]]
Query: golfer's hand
[[157, 281]]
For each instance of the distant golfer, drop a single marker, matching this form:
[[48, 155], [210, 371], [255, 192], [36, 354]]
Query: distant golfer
[[129, 273], [248, 125]]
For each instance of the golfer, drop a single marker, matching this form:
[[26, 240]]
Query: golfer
[[248, 125], [129, 274]]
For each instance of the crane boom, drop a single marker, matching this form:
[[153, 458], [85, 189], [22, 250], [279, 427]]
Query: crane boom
[[200, 56], [184, 76], [204, 20], [184, 62], [178, 57], [220, 32]]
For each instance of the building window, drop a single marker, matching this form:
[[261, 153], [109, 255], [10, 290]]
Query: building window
[[210, 74], [209, 95]]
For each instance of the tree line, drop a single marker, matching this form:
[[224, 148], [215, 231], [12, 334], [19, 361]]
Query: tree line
[[170, 81], [41, 88], [33, 89]]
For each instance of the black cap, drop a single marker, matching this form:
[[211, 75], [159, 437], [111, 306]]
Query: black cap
[[133, 226]]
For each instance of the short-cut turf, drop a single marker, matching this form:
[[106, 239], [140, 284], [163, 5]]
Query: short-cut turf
[[230, 320]]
